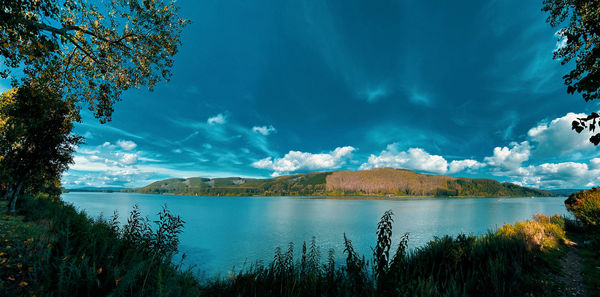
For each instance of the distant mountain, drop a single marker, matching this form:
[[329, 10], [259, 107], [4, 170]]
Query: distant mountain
[[378, 182], [95, 189]]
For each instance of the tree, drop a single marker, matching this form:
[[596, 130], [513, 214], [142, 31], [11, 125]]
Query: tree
[[94, 50], [581, 35], [36, 143]]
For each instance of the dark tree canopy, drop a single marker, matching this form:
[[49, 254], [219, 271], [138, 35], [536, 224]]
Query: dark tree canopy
[[579, 22], [36, 143], [94, 49]]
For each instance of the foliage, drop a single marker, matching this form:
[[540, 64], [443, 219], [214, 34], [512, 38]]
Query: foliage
[[73, 255], [94, 50], [580, 22], [541, 232], [585, 205], [36, 143]]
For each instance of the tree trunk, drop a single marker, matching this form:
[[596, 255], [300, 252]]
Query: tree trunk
[[13, 203]]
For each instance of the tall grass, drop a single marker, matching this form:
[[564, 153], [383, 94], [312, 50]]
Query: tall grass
[[79, 256], [496, 264]]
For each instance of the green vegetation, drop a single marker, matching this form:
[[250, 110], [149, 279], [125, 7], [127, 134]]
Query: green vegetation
[[585, 206], [36, 143], [510, 262], [91, 51], [53, 250], [374, 182], [579, 24]]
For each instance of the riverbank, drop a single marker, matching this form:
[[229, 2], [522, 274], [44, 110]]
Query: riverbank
[[83, 256], [51, 249]]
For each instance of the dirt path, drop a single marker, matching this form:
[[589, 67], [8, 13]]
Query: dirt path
[[571, 265]]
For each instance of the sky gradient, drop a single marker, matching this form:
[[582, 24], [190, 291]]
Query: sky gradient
[[465, 88]]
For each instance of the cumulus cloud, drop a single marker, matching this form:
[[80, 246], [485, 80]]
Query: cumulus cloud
[[509, 158], [556, 139], [414, 158], [461, 165], [264, 130], [419, 160], [127, 144], [217, 120], [296, 160], [559, 175], [128, 159]]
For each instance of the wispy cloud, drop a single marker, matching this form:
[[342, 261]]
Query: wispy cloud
[[264, 130]]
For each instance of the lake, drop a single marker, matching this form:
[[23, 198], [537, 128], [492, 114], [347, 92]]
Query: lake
[[221, 233]]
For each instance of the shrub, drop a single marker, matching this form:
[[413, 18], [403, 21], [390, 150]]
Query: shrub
[[541, 232], [85, 257], [585, 205]]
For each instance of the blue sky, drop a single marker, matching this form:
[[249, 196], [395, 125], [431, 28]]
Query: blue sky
[[266, 88]]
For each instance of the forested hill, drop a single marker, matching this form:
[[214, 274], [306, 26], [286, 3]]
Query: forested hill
[[381, 181]]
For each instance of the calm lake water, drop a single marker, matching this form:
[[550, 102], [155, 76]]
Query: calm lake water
[[225, 232]]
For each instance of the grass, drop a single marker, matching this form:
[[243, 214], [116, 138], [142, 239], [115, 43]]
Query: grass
[[591, 271], [17, 249], [510, 262], [65, 253], [57, 251]]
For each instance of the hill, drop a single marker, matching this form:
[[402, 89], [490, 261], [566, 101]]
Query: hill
[[565, 192], [379, 182]]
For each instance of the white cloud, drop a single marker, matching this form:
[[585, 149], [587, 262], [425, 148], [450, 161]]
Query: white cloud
[[296, 160], [128, 159], [562, 39], [217, 120], [556, 139], [127, 144], [419, 160], [414, 158], [264, 130], [559, 175], [460, 165], [509, 158]]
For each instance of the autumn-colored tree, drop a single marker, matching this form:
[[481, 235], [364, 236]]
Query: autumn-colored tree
[[579, 22], [36, 143], [94, 50]]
